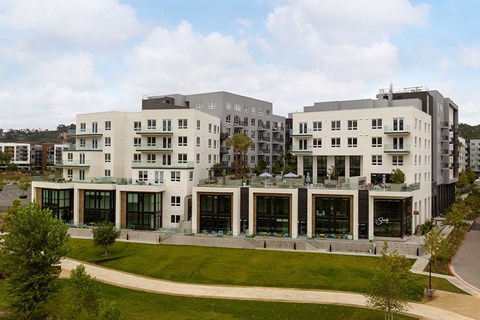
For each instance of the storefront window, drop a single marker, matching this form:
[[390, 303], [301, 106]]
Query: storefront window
[[99, 206], [332, 215], [393, 217], [60, 202], [144, 210], [273, 215], [215, 213]]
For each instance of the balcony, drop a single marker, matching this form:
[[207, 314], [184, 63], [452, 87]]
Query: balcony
[[74, 163], [86, 133], [155, 132], [224, 149], [390, 148], [397, 130], [146, 147], [158, 164], [84, 147], [296, 149], [301, 133], [265, 138], [240, 124], [263, 126]]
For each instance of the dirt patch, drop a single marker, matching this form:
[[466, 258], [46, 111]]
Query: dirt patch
[[65, 274], [460, 303]]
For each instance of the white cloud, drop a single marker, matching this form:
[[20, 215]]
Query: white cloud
[[86, 23], [470, 56]]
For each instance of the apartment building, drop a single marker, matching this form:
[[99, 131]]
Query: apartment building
[[20, 153], [135, 169], [238, 114], [346, 151], [474, 155], [462, 154], [46, 155]]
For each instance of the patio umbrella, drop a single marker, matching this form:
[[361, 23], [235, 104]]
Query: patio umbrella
[[265, 175], [290, 175]]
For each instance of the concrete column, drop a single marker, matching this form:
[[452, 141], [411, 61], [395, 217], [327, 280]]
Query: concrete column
[[314, 169], [294, 221], [236, 212], [118, 209], [76, 205]]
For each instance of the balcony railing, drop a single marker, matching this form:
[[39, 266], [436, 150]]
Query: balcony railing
[[85, 132], [156, 131], [301, 133], [153, 147], [397, 130], [390, 148], [84, 147], [263, 126], [75, 163], [302, 149], [159, 164]]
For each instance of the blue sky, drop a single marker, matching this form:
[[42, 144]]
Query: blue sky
[[59, 58]]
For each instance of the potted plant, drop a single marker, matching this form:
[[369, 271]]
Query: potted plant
[[24, 184]]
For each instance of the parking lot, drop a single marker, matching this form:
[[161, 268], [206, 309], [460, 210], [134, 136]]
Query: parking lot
[[9, 193]]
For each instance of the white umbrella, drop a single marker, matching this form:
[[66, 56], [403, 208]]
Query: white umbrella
[[290, 175], [265, 175]]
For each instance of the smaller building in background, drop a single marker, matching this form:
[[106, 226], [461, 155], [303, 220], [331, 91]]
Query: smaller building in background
[[462, 154], [474, 155], [19, 154]]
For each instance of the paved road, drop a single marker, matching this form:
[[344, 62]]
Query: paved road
[[465, 265], [136, 282]]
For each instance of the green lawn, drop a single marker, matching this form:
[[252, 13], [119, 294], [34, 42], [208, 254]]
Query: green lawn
[[141, 305], [208, 265]]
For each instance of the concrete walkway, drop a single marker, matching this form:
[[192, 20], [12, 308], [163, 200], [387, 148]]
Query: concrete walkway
[[132, 281]]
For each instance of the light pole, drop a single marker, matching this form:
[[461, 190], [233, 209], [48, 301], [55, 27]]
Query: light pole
[[430, 290]]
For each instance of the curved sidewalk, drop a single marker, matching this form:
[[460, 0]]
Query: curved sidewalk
[[132, 281]]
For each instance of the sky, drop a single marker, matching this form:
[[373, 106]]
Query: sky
[[59, 58]]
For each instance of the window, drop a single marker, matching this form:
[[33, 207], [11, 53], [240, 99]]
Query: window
[[167, 143], [198, 106], [198, 124], [182, 141], [228, 118], [151, 124], [167, 125], [209, 158], [190, 176], [252, 159], [211, 105], [137, 157], [335, 142], [82, 158], [398, 143], [253, 109], [83, 127], [252, 122], [352, 142], [397, 124], [260, 111], [376, 160], [376, 141], [151, 158], [69, 173], [94, 127], [198, 141], [397, 160], [151, 141], [210, 127], [182, 158], [336, 125], [94, 144], [352, 124], [82, 143], [253, 134], [108, 173], [198, 157], [142, 175], [159, 177], [81, 175], [175, 176], [214, 144], [167, 160], [209, 143], [377, 123], [108, 141], [108, 157], [317, 125], [137, 126], [302, 127], [237, 107], [175, 218], [175, 201], [108, 125], [70, 157], [228, 106], [317, 142], [137, 142], [182, 124], [245, 109]]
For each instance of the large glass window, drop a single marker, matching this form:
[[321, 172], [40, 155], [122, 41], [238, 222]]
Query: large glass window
[[60, 202], [340, 165], [273, 215], [332, 215], [321, 168], [99, 206], [215, 213], [354, 166], [144, 210], [307, 166], [392, 217]]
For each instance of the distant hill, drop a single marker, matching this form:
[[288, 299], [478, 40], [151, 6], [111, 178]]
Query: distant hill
[[469, 132], [37, 136]]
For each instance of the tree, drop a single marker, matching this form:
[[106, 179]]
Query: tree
[[24, 183], [456, 214], [240, 143], [5, 158], [390, 285], [463, 180], [104, 235], [36, 242], [472, 176], [434, 244], [260, 167], [397, 176], [86, 302]]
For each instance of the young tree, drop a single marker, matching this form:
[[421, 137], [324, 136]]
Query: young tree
[[434, 244], [456, 214], [35, 243], [240, 143], [104, 235], [24, 183], [397, 176], [390, 284], [86, 303]]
